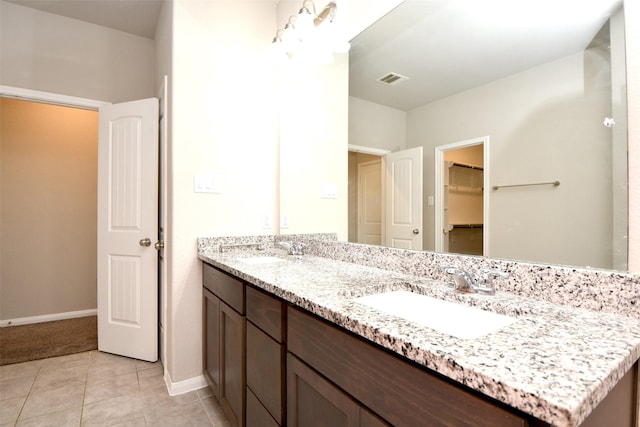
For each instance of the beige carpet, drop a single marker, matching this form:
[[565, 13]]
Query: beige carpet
[[48, 339]]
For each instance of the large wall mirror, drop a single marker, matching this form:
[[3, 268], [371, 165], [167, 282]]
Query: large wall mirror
[[506, 94]]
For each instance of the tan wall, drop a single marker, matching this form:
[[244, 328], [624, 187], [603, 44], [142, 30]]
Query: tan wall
[[48, 180]]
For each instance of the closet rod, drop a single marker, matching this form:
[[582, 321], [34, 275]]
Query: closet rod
[[554, 183], [466, 165]]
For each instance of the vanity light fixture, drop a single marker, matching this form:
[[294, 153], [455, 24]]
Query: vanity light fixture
[[310, 34]]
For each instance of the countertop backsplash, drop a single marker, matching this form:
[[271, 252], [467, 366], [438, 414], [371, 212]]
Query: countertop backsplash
[[593, 289]]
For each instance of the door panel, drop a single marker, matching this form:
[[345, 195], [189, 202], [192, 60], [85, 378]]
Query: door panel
[[127, 215], [370, 203], [403, 193]]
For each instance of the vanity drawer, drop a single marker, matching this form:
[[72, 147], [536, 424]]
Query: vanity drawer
[[394, 389], [267, 313], [226, 287]]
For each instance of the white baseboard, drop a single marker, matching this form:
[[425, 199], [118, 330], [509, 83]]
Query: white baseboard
[[48, 317], [181, 387]]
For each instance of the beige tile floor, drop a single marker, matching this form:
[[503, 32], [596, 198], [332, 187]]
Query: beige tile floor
[[98, 389]]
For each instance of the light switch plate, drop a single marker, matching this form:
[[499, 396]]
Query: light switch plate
[[206, 183], [329, 191]]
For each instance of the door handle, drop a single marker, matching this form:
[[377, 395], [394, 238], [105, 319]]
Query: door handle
[[145, 242], [159, 245], [416, 231]]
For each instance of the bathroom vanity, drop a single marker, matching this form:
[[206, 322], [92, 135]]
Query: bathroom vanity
[[287, 342]]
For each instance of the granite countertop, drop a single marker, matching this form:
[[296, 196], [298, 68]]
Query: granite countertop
[[555, 362]]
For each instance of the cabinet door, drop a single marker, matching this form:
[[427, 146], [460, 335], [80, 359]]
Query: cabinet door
[[257, 415], [211, 338], [314, 402], [265, 371], [232, 364]]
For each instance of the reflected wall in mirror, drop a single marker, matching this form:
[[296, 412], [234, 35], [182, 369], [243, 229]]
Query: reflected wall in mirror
[[536, 79]]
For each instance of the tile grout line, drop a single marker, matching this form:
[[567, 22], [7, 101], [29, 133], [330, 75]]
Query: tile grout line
[[28, 393]]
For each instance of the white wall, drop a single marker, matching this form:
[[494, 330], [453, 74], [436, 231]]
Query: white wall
[[50, 53], [531, 118], [376, 126], [313, 147], [314, 133], [224, 123]]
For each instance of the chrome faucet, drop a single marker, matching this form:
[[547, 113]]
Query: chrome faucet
[[462, 281], [293, 248]]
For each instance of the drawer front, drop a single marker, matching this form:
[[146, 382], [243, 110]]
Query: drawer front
[[266, 312], [265, 371], [398, 391], [226, 287]]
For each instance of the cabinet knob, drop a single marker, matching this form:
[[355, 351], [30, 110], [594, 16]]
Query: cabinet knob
[[416, 231], [145, 242]]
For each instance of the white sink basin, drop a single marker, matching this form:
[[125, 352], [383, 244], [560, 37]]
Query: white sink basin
[[261, 259], [450, 318]]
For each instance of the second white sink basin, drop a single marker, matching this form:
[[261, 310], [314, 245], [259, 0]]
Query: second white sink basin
[[457, 320]]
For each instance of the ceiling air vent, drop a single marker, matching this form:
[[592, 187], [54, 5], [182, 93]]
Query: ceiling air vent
[[392, 79]]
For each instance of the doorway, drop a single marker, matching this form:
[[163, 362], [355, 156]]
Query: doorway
[[49, 208], [366, 203], [461, 200], [91, 106], [385, 197]]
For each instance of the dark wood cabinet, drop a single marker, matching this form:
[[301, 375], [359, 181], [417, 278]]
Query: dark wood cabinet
[[224, 331], [257, 415], [312, 401], [272, 364], [266, 355], [397, 391], [232, 364], [211, 341]]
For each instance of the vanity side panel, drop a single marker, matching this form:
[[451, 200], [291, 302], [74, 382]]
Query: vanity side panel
[[397, 391]]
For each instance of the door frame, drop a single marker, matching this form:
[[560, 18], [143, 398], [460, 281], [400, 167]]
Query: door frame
[[94, 105], [439, 192]]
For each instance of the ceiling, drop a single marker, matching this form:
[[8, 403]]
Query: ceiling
[[137, 17], [449, 46]]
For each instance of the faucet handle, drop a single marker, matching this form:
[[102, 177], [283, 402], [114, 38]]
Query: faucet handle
[[489, 275], [460, 279]]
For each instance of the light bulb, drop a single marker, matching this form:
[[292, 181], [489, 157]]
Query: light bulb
[[304, 23]]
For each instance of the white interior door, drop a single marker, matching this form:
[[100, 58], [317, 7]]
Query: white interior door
[[403, 193], [370, 202], [127, 229]]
